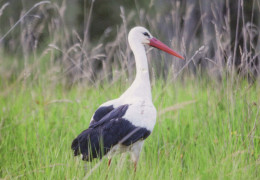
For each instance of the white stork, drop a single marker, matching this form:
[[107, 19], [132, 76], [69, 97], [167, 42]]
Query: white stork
[[122, 124]]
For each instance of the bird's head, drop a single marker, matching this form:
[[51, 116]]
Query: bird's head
[[141, 35]]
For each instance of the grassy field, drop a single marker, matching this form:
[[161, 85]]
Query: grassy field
[[204, 131]]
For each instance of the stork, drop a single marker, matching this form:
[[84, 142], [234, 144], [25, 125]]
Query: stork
[[122, 125]]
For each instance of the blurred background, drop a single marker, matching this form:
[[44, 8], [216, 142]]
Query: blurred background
[[85, 41], [61, 59]]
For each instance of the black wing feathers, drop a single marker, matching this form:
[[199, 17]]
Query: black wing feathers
[[102, 135], [116, 113], [102, 111]]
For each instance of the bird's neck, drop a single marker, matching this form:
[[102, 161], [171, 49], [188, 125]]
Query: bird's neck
[[141, 86]]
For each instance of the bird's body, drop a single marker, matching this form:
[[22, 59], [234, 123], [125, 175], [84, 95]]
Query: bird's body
[[141, 116], [122, 125]]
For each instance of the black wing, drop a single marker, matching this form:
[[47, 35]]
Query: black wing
[[101, 136], [116, 113], [101, 112]]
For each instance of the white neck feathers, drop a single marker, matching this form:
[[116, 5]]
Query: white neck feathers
[[141, 86]]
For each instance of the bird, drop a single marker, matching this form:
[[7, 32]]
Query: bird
[[121, 125]]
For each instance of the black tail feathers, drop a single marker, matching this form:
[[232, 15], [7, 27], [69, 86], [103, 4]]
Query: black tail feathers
[[75, 146], [90, 144]]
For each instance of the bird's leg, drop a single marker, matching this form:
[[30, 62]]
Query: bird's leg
[[135, 165], [135, 160], [109, 162], [108, 166], [136, 153]]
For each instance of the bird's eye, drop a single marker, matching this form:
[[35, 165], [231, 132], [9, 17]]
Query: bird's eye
[[146, 34]]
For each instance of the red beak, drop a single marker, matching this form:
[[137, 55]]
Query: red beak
[[158, 44]]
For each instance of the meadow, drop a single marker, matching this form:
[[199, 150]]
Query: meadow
[[59, 60], [204, 130]]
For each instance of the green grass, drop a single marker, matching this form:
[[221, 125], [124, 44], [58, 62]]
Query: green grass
[[217, 137]]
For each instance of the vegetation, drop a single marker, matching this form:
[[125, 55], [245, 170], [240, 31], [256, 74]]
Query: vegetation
[[202, 132], [59, 64], [216, 37]]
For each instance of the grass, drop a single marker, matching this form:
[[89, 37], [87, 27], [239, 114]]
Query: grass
[[215, 137], [205, 129]]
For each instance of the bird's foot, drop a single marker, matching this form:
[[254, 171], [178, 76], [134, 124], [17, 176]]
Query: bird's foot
[[109, 162], [135, 166]]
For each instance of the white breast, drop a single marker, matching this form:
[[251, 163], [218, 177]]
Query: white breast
[[141, 113]]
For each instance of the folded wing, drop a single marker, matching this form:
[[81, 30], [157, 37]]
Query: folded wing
[[102, 135]]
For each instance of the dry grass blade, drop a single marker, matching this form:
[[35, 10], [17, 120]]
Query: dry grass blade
[[3, 8], [92, 170], [128, 135], [59, 101], [199, 51], [37, 4], [176, 107]]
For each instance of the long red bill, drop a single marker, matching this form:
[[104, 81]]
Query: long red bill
[[158, 44]]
